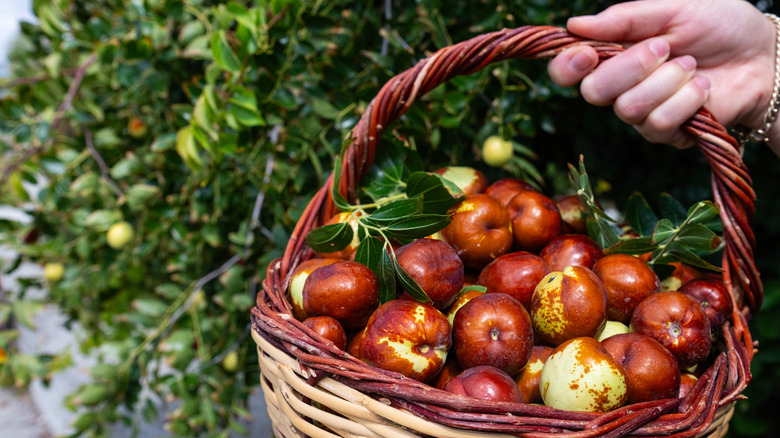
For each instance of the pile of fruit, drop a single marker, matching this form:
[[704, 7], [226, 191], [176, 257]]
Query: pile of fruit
[[500, 294]]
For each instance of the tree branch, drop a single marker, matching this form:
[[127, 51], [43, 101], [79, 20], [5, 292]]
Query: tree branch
[[67, 103], [104, 173]]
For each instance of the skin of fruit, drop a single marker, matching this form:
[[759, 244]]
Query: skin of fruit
[[230, 362], [535, 220], [462, 299], [653, 372], [480, 230], [571, 250], [451, 369], [496, 151], [329, 329], [580, 375], [345, 290], [687, 382], [627, 280], [516, 274], [612, 328], [53, 272], [503, 190], [486, 383], [436, 268], [568, 304], [355, 344], [495, 330], [573, 213], [527, 379], [408, 337], [678, 322], [469, 180], [348, 253], [713, 297], [298, 279], [119, 235], [682, 274]]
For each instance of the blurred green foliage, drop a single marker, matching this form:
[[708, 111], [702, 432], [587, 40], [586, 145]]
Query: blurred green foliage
[[207, 125]]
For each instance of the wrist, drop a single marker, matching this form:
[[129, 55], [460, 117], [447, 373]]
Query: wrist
[[758, 120]]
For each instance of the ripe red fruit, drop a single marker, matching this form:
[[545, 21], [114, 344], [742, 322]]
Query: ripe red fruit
[[495, 330], [627, 280], [653, 372], [505, 189], [436, 268], [486, 383], [678, 322], [348, 253], [298, 279], [480, 230], [571, 250], [573, 213], [329, 329], [528, 378], [408, 337], [713, 297], [535, 220], [470, 181], [347, 291], [515, 274], [568, 304]]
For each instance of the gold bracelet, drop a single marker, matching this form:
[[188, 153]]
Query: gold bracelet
[[761, 134]]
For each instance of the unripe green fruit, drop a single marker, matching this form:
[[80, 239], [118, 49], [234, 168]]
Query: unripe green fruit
[[496, 151], [53, 272], [119, 235], [230, 362]]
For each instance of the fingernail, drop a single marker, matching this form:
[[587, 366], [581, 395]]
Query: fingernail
[[580, 62], [659, 47], [703, 82], [687, 62]]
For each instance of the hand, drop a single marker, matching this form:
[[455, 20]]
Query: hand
[[681, 55]]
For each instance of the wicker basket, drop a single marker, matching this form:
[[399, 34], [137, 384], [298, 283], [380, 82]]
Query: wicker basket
[[314, 389]]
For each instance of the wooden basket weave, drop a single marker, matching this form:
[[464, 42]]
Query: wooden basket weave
[[314, 389]]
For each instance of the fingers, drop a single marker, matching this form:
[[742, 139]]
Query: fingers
[[617, 75], [662, 124], [632, 21], [571, 65]]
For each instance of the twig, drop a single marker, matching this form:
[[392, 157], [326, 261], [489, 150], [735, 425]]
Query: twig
[[101, 163], [66, 104], [11, 83]]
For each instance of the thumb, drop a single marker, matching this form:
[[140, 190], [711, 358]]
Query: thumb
[[632, 21]]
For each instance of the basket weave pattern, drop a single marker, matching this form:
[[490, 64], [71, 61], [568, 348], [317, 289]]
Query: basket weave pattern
[[314, 389]]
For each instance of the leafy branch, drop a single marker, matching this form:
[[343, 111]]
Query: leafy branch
[[679, 235], [405, 206]]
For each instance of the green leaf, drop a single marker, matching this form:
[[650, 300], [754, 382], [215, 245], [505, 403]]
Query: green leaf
[[602, 232], [409, 284], [223, 53], [139, 195], [25, 311], [677, 252], [396, 210], [702, 212], [672, 209], [639, 214], [90, 395], [330, 238], [101, 220], [639, 245], [372, 252], [187, 148], [471, 287], [415, 227], [323, 108], [386, 176], [664, 230], [436, 198], [699, 238]]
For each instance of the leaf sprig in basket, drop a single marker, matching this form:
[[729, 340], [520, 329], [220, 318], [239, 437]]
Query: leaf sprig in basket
[[679, 235], [405, 204]]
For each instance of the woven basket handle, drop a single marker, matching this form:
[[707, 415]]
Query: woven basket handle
[[731, 183]]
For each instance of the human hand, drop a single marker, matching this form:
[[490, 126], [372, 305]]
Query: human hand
[[681, 55]]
